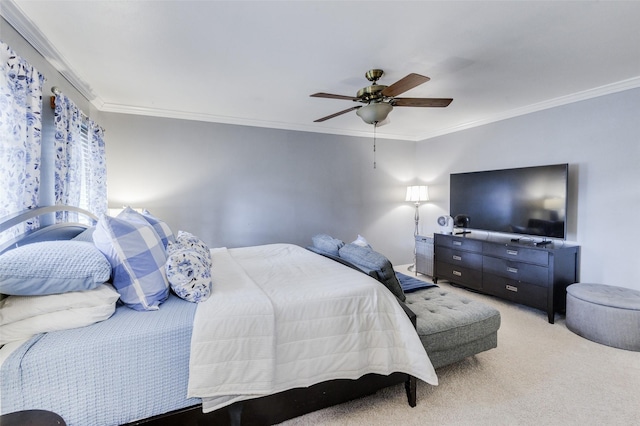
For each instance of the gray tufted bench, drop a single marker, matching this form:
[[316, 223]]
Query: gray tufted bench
[[453, 327], [605, 314]]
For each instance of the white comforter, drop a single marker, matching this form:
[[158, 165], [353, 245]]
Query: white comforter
[[281, 317]]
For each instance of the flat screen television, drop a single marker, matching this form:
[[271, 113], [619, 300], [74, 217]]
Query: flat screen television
[[527, 200]]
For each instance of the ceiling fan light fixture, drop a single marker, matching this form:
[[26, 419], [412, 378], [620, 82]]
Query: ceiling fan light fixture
[[374, 112]]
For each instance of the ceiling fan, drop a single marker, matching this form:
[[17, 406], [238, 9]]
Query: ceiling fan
[[380, 99]]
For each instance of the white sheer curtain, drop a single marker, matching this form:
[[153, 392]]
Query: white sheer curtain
[[80, 166], [20, 133]]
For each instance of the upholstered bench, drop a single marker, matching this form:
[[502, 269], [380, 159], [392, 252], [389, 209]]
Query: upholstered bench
[[452, 327], [605, 314]]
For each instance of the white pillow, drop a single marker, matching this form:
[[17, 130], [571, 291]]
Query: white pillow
[[24, 316], [361, 241], [137, 258]]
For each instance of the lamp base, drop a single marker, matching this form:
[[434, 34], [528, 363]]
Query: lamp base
[[412, 268]]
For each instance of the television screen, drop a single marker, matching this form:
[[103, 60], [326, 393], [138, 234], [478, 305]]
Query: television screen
[[529, 200]]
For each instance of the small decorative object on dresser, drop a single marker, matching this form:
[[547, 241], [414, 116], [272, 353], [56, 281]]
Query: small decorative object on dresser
[[446, 224], [529, 274]]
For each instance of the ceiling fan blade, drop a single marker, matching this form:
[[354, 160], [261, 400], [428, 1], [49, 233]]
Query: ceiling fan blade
[[320, 120], [421, 102], [331, 96], [409, 82]]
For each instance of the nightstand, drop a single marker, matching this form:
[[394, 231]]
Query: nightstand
[[424, 255], [31, 418]]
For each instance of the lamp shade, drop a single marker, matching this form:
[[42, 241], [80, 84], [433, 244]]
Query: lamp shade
[[374, 112], [417, 193]]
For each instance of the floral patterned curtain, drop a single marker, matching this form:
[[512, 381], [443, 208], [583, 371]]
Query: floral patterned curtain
[[20, 133], [98, 165], [73, 176], [68, 162]]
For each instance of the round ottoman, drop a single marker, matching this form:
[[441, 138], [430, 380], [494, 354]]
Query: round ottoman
[[605, 314]]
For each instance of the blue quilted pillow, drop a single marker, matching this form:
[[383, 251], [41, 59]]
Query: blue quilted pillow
[[52, 267], [367, 259], [327, 244], [137, 258]]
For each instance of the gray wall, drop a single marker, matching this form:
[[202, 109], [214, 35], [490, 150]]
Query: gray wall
[[599, 138], [236, 186]]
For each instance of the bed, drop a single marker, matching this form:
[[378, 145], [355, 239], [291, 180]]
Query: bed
[[284, 332]]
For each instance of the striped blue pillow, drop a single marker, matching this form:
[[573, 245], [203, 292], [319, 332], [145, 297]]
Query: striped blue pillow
[[137, 258]]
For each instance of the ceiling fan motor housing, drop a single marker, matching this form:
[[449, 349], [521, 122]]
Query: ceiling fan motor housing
[[370, 93], [374, 74]]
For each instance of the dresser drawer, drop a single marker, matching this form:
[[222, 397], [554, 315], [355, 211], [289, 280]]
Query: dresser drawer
[[458, 243], [459, 257], [520, 254], [460, 275], [516, 270], [515, 291]]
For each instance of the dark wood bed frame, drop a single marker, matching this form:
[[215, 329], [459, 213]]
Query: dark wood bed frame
[[265, 410], [285, 405]]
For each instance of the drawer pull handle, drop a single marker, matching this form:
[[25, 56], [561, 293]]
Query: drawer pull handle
[[457, 243], [512, 270], [457, 257], [512, 288], [457, 273], [512, 252]]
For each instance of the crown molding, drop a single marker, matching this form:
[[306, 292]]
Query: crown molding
[[620, 86], [608, 89], [27, 29], [196, 116]]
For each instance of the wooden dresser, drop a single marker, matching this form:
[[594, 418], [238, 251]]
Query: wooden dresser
[[521, 272]]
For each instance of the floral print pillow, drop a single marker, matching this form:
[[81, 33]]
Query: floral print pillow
[[188, 240], [188, 267], [189, 275]]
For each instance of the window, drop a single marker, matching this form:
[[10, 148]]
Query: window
[[79, 171]]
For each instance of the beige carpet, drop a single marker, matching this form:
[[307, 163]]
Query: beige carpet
[[540, 374]]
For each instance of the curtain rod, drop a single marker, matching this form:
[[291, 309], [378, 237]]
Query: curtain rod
[[56, 91]]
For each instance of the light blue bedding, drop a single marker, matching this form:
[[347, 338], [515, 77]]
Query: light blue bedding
[[132, 366]]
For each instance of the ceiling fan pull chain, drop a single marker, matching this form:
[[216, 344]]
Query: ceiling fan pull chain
[[375, 125]]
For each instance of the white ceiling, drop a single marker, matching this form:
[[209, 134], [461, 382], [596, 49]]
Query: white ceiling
[[256, 63]]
